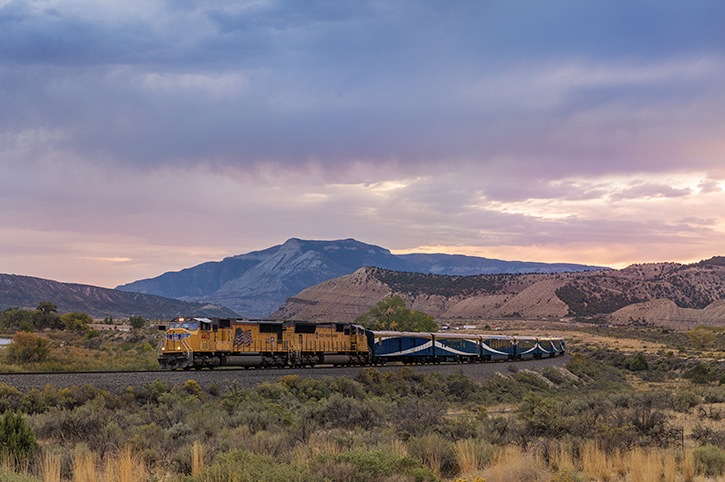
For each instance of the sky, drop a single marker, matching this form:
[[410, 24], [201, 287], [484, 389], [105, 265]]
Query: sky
[[139, 137]]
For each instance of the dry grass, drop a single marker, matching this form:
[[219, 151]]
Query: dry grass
[[467, 456], [50, 467], [124, 466], [595, 463], [645, 466], [688, 467], [512, 465], [669, 469], [197, 458]]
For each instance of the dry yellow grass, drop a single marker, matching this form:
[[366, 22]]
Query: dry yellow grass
[[197, 458], [513, 465], [467, 456], [669, 469], [124, 466], [50, 467], [688, 467], [619, 463], [595, 463], [562, 460]]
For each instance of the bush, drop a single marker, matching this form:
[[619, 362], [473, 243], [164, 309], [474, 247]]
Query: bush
[[700, 374], [7, 475], [17, 439], [27, 347], [372, 466], [240, 466], [639, 363], [709, 460], [553, 375]]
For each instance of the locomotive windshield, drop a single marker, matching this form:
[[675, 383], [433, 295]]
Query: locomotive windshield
[[187, 325]]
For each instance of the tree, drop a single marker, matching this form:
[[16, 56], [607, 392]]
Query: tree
[[639, 363], [137, 322], [17, 439], [27, 347], [46, 316], [391, 314], [47, 307], [12, 318], [76, 321]]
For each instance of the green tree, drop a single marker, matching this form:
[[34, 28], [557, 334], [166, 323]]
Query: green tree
[[12, 318], [76, 321], [639, 363], [46, 316], [47, 307], [391, 314], [17, 439], [27, 347], [136, 322]]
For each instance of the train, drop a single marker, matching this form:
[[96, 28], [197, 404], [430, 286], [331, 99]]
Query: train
[[199, 342]]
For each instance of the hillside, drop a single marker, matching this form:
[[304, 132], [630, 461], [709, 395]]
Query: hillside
[[27, 292], [666, 294], [257, 283]]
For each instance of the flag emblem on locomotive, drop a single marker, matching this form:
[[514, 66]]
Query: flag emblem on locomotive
[[242, 337]]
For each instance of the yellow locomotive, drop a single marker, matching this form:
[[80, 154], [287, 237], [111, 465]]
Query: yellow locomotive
[[197, 342]]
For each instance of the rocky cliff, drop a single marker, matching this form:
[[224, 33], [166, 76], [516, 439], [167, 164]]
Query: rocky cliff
[[663, 294]]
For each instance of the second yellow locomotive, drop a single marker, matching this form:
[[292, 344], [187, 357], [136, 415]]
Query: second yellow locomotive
[[207, 343]]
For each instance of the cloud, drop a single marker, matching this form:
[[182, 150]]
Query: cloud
[[640, 189], [162, 132]]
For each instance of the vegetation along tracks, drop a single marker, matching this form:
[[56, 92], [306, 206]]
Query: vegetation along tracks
[[118, 382]]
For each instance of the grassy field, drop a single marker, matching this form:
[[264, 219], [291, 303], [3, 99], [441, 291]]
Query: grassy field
[[631, 405]]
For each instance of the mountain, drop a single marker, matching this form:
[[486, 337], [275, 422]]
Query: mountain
[[257, 283], [663, 294], [27, 292]]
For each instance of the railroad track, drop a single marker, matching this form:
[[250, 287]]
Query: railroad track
[[118, 382]]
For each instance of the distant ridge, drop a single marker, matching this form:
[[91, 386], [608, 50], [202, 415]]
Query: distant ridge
[[27, 292], [658, 294], [258, 283]]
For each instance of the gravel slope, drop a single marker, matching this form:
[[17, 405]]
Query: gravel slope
[[116, 382]]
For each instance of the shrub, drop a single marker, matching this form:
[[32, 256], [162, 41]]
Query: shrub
[[417, 417], [17, 439], [372, 465], [553, 375], [240, 466], [27, 347], [709, 460], [7, 475], [639, 363], [700, 374], [192, 387], [541, 415]]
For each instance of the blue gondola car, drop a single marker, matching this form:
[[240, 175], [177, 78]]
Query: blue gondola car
[[545, 347], [458, 348], [526, 347], [496, 347], [402, 346]]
